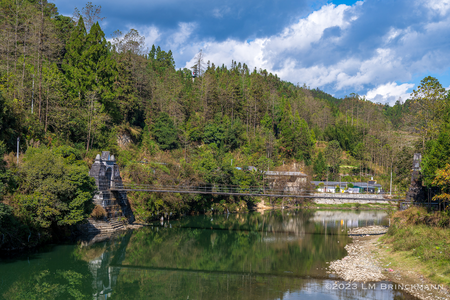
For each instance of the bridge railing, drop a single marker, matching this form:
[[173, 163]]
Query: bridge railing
[[247, 190]]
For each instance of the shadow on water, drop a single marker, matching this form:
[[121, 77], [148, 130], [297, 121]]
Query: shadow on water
[[276, 255]]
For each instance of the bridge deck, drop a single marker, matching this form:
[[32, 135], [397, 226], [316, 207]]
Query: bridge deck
[[268, 193]]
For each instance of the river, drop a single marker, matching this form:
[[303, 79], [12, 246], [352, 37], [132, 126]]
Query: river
[[271, 255]]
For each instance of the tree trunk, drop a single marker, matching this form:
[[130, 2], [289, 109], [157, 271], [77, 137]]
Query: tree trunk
[[40, 58], [46, 111]]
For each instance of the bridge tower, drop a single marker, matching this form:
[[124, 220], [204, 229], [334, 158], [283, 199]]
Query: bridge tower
[[107, 175]]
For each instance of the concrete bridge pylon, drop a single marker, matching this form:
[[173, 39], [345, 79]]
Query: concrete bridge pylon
[[106, 173]]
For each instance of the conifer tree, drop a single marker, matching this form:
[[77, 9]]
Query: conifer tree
[[73, 65], [303, 143], [100, 66], [319, 167]]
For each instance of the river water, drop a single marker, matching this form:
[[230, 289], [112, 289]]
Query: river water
[[275, 255]]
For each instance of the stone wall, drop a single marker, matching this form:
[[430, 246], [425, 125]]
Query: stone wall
[[329, 199]]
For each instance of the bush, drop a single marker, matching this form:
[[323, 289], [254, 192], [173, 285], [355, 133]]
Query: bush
[[6, 215], [54, 190], [419, 216], [98, 213]]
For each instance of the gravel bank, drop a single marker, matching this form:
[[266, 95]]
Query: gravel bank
[[359, 265], [366, 262], [369, 230]]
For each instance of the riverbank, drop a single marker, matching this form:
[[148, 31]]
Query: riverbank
[[372, 259], [368, 206]]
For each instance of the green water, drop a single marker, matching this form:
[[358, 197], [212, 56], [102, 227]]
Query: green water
[[276, 255]]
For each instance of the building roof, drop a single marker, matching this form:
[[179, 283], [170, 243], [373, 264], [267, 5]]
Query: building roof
[[344, 183]]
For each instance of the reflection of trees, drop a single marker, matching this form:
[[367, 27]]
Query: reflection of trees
[[60, 276], [248, 245], [249, 256], [143, 284]]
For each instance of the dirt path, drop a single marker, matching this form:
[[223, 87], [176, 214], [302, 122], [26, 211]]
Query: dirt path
[[369, 260]]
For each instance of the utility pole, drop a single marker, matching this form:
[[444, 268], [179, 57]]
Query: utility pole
[[390, 189], [32, 96]]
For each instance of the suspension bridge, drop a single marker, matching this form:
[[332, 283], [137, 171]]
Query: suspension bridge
[[251, 191]]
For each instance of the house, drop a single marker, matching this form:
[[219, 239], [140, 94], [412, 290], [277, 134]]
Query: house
[[328, 186], [358, 187], [287, 181]]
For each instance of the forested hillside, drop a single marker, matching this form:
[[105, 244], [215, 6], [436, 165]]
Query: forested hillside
[[69, 93]]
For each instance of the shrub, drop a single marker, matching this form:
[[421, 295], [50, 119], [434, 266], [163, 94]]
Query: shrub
[[98, 213], [53, 190]]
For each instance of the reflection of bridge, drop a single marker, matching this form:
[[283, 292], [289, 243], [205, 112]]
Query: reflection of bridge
[[231, 190]]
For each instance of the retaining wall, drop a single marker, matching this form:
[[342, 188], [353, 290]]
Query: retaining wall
[[328, 198]]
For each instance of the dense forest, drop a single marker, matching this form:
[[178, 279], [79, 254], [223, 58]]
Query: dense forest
[[67, 93]]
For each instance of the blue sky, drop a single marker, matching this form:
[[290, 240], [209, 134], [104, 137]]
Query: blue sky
[[380, 49]]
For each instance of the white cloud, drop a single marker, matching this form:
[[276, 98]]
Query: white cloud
[[258, 52], [182, 35], [224, 52], [390, 92], [301, 35], [331, 48], [220, 12], [441, 6], [151, 34]]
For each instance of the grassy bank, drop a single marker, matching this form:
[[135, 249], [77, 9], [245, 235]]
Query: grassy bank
[[419, 241]]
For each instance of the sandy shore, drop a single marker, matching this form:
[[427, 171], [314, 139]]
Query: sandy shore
[[368, 262]]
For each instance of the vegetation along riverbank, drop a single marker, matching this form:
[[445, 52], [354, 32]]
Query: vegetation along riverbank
[[412, 253]]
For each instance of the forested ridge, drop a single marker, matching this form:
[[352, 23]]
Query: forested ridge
[[68, 93]]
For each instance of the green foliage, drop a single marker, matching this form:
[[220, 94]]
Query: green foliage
[[224, 133], [402, 168], [6, 215], [320, 167], [347, 135], [3, 175], [214, 133], [62, 284], [74, 63], [296, 139], [161, 60], [165, 132], [398, 113], [360, 152], [430, 99], [333, 154], [8, 123], [437, 155], [54, 190]]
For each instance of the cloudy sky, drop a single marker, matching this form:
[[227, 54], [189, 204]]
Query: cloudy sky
[[381, 49]]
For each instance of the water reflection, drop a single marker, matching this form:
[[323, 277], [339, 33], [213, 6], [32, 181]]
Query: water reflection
[[276, 255]]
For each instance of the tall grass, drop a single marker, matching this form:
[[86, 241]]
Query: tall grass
[[426, 236]]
